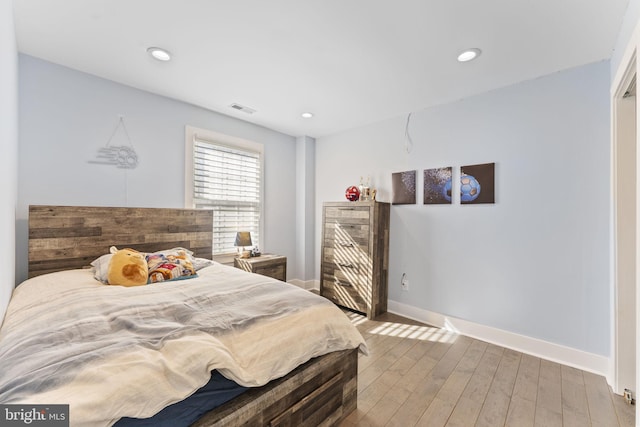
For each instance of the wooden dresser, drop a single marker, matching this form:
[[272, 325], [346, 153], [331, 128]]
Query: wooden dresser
[[355, 255]]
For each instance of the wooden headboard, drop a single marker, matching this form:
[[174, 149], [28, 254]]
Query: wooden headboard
[[67, 237]]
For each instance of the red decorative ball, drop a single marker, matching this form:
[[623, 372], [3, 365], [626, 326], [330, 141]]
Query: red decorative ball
[[352, 194]]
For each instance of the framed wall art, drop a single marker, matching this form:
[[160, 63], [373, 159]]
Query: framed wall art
[[404, 188], [438, 186], [477, 184]]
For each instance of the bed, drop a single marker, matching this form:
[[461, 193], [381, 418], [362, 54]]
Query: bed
[[237, 325]]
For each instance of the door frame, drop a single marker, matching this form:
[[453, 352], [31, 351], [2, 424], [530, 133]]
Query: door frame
[[620, 141], [627, 67]]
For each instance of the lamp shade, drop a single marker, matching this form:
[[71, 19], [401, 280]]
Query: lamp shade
[[243, 238]]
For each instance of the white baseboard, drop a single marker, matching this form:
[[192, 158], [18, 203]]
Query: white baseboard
[[554, 352], [309, 285]]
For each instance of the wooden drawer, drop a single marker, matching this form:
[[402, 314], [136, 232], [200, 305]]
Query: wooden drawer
[[346, 245], [340, 234], [344, 293], [275, 271], [327, 398], [346, 259], [347, 214]]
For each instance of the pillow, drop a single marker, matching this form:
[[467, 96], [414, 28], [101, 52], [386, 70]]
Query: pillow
[[173, 264], [174, 251], [200, 263], [100, 267]]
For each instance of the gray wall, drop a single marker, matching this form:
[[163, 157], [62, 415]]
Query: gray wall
[[534, 263], [305, 206], [8, 148], [67, 115]]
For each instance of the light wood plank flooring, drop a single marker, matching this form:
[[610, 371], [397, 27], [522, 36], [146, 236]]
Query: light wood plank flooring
[[417, 375]]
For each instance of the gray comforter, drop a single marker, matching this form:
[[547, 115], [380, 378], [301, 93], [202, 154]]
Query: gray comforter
[[111, 351]]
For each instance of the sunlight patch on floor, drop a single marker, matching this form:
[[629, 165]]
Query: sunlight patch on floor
[[356, 319], [415, 332], [401, 330]]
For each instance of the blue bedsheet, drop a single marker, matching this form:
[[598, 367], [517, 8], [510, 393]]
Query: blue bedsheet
[[184, 413]]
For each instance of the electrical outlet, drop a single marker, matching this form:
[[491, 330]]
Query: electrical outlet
[[404, 283], [628, 396]]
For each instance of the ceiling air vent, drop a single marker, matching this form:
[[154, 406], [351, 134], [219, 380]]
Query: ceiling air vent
[[242, 108]]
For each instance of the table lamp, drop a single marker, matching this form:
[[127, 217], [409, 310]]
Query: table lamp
[[243, 238]]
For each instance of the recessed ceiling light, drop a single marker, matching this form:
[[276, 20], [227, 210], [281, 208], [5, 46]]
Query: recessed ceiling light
[[307, 115], [469, 54], [159, 54]]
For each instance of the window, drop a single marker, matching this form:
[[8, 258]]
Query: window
[[224, 174]]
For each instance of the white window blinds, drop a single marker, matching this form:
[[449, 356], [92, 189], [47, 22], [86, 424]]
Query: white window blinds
[[228, 180]]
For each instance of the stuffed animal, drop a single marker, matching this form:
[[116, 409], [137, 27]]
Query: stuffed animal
[[127, 267], [170, 266]]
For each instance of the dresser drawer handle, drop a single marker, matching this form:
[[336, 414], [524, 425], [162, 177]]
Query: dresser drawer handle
[[346, 244], [346, 265], [344, 285], [347, 209]]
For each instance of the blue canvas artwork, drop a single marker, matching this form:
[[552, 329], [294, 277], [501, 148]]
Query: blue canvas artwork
[[438, 186]]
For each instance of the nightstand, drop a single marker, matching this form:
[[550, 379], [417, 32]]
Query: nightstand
[[270, 265]]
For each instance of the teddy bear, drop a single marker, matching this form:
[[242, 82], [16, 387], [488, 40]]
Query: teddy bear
[[127, 267]]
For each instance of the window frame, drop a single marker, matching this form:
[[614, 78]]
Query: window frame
[[191, 133]]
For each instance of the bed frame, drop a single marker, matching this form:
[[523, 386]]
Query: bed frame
[[323, 391]]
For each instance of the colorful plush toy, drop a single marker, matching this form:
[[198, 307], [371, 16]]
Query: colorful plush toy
[[173, 265], [127, 267]]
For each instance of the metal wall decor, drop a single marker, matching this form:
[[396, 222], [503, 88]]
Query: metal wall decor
[[120, 156]]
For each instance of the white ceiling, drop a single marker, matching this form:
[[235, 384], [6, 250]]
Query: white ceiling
[[350, 62]]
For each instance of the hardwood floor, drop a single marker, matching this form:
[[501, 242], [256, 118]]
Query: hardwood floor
[[418, 375]]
